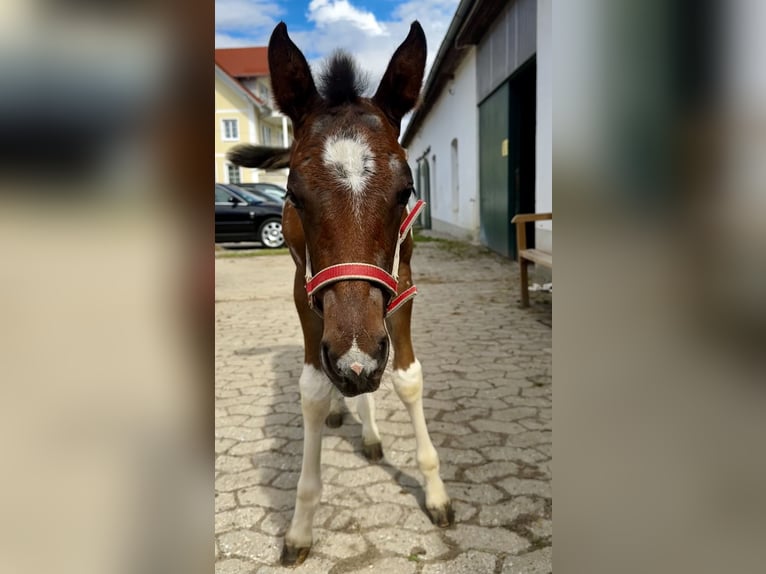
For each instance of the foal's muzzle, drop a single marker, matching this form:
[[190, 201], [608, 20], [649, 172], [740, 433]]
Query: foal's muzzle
[[352, 377]]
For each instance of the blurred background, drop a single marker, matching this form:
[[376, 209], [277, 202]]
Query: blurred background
[[106, 286], [659, 111]]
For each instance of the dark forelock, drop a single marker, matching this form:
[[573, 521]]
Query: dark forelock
[[341, 80]]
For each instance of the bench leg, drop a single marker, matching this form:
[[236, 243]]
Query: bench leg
[[523, 264]]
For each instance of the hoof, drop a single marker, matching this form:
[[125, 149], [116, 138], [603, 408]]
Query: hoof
[[443, 517], [293, 556], [334, 420], [373, 452]]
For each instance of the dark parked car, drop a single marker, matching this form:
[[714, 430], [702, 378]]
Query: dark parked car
[[271, 189], [242, 215]]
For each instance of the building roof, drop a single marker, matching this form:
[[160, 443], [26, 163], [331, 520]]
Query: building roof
[[471, 21], [237, 85], [243, 62]]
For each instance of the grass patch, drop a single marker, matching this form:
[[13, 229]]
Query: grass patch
[[225, 254], [420, 238], [453, 246]]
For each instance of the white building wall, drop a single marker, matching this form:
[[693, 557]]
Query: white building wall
[[453, 115], [544, 137]]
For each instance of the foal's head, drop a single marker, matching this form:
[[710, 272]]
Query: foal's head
[[348, 187]]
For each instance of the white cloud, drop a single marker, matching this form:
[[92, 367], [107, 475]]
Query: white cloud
[[372, 41], [374, 52], [325, 12], [246, 16]]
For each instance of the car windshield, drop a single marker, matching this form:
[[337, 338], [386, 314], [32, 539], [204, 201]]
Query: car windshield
[[251, 196], [275, 194]]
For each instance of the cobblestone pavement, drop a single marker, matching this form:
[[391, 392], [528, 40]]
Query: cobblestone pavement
[[487, 389]]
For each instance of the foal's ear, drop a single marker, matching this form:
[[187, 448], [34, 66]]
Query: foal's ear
[[291, 81], [399, 89]]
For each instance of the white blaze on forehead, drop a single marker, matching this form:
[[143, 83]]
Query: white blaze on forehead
[[351, 159], [395, 164]]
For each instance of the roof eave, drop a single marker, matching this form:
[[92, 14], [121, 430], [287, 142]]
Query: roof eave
[[472, 19], [237, 86]]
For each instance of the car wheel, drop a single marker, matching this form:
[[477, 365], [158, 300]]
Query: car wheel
[[270, 233]]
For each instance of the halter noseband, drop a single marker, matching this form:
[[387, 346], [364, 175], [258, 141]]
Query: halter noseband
[[367, 271]]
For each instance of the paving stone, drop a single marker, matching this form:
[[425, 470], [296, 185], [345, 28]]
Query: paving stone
[[389, 492], [230, 420], [232, 463], [502, 427], [235, 481], [276, 523], [467, 563], [404, 543], [420, 522], [223, 444], [388, 566], [475, 493], [250, 410], [537, 562], [532, 438], [239, 433], [505, 513], [487, 401], [541, 528], [267, 497], [513, 414], [316, 565], [238, 518], [344, 496], [234, 566], [464, 415], [490, 471], [461, 455], [338, 544], [249, 544], [224, 501], [513, 453], [515, 486], [485, 538], [382, 514], [343, 520], [368, 474], [478, 439]]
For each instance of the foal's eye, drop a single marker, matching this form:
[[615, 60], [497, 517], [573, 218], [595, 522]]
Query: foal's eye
[[404, 196], [290, 196]]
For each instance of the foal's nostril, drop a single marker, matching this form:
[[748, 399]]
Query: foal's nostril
[[327, 358]]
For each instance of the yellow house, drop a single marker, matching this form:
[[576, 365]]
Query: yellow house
[[244, 113]]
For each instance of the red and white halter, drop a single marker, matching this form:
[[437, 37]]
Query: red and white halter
[[366, 271]]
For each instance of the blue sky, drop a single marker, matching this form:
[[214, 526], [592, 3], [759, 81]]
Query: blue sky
[[370, 29]]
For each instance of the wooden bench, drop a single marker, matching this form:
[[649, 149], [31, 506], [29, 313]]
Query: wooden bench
[[527, 256]]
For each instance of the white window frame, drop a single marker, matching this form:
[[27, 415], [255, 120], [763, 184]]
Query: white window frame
[[223, 130], [229, 166], [266, 128]]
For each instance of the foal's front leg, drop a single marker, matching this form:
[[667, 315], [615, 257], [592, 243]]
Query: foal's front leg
[[408, 383], [316, 392], [315, 404]]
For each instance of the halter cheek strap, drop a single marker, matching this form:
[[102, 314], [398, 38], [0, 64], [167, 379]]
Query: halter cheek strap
[[367, 272]]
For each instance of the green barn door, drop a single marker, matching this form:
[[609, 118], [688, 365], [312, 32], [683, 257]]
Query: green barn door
[[495, 227], [521, 143]]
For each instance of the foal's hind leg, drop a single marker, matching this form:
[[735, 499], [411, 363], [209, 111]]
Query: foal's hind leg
[[371, 446], [337, 402], [408, 382]]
